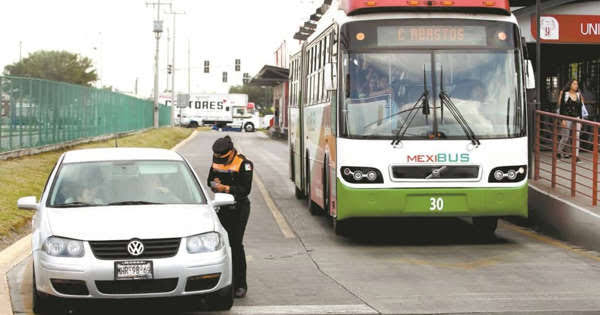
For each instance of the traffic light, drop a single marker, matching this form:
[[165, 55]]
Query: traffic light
[[206, 66], [224, 77], [238, 65], [246, 79], [170, 69]]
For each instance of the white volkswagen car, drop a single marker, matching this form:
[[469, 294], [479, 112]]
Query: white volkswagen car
[[124, 223]]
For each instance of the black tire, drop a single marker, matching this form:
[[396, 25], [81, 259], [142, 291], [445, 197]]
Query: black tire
[[249, 127], [299, 194], [340, 227], [194, 124], [326, 193], [486, 225], [292, 167], [221, 300], [41, 303], [312, 207]]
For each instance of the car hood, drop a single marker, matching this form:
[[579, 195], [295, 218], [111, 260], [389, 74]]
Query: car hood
[[127, 222]]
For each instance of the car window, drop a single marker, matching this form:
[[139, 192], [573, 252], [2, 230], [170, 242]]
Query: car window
[[106, 183]]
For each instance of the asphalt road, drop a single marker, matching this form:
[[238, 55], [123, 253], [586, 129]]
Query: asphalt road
[[299, 266]]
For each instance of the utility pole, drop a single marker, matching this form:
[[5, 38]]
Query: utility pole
[[189, 69], [20, 51], [158, 27], [168, 60], [173, 96]]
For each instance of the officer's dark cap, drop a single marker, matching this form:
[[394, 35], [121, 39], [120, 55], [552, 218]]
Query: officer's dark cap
[[222, 145]]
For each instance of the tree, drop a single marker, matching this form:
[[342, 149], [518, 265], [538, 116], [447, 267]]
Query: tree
[[260, 96], [53, 65]]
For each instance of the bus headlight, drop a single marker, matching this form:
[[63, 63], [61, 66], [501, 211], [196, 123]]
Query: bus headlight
[[361, 175], [508, 174]]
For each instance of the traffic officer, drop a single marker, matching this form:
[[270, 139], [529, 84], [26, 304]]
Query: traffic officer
[[231, 173]]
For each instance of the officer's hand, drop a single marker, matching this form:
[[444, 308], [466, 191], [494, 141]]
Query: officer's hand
[[221, 188]]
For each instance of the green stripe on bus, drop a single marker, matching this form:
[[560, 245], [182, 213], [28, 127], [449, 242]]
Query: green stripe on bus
[[424, 202]]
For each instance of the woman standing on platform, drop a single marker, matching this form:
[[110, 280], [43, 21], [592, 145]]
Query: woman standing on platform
[[571, 103]]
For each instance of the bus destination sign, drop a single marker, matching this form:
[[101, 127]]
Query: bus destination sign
[[431, 35]]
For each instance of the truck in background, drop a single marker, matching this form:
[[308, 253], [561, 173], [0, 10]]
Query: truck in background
[[221, 110]]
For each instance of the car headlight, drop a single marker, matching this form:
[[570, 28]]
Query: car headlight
[[204, 243], [63, 247]]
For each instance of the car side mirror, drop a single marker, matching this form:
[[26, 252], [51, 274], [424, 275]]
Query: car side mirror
[[28, 203], [221, 200]]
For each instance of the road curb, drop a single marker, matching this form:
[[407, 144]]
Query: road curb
[[21, 249], [185, 141], [10, 257]]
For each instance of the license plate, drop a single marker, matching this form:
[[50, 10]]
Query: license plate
[[133, 270]]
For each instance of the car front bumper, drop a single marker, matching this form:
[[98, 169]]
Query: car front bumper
[[93, 271]]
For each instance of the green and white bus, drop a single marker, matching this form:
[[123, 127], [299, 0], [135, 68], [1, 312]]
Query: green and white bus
[[410, 109]]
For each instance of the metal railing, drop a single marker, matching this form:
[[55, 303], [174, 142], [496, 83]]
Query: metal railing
[[36, 112], [579, 177]]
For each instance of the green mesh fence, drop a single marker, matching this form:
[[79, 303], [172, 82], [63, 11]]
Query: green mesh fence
[[35, 112]]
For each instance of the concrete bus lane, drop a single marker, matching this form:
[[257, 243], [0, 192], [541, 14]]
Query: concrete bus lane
[[390, 266]]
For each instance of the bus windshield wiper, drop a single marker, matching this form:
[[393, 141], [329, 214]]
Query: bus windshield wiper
[[447, 101], [423, 103], [133, 202]]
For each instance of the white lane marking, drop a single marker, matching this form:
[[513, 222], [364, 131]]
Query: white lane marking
[[303, 309], [281, 222], [586, 211]]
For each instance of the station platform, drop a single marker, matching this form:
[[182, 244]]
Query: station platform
[[562, 195]]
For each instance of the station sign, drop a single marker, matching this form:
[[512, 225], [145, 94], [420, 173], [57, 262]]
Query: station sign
[[568, 29]]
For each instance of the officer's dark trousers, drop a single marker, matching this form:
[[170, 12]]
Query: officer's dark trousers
[[234, 220]]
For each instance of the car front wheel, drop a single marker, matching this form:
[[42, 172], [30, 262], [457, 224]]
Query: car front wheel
[[221, 300], [42, 304]]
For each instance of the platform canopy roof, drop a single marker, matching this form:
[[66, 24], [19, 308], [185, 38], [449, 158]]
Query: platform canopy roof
[[270, 76]]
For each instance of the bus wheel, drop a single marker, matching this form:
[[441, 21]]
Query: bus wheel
[[249, 127], [193, 124], [486, 225], [326, 194], [340, 227], [312, 207], [299, 194]]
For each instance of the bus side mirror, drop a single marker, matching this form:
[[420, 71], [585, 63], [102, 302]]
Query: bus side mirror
[[330, 77], [529, 75]]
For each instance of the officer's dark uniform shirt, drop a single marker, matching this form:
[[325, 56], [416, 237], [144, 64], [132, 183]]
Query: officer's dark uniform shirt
[[237, 175]]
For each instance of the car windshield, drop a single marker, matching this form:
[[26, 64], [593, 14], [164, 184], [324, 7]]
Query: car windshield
[[125, 183]]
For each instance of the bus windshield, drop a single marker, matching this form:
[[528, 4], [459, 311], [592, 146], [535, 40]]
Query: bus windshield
[[382, 88]]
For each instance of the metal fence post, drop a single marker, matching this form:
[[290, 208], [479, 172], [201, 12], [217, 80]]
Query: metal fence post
[[554, 149], [538, 117], [574, 140], [595, 168]]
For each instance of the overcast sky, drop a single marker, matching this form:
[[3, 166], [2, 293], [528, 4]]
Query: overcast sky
[[117, 35]]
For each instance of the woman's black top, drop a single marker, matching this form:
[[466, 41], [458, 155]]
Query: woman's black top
[[570, 107]]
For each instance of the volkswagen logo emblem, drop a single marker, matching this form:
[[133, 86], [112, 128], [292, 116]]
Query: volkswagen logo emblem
[[135, 248]]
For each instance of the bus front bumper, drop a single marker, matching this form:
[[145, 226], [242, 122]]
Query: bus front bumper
[[417, 202]]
